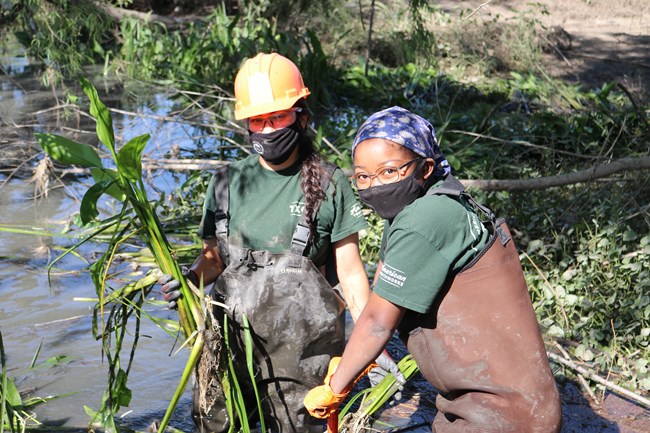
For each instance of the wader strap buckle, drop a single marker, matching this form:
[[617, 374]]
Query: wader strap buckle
[[504, 238], [251, 263], [454, 188], [301, 238]]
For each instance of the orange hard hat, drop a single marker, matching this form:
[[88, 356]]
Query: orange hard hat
[[267, 83]]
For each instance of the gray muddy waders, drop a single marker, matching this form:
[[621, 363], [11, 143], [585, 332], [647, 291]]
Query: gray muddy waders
[[297, 322], [480, 345]]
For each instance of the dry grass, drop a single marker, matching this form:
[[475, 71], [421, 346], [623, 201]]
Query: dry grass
[[41, 177]]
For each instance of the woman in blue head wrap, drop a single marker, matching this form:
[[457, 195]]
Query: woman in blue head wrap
[[449, 280]]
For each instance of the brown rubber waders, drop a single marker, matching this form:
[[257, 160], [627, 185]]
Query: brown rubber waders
[[480, 346]]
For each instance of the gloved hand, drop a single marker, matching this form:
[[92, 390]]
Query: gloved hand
[[170, 286], [385, 365], [322, 401]]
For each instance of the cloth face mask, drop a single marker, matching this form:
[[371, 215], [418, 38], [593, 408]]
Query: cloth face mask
[[389, 200], [276, 147]]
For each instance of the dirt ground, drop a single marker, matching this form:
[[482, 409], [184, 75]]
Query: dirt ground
[[593, 41]]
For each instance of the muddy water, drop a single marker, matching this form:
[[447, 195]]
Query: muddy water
[[33, 314]]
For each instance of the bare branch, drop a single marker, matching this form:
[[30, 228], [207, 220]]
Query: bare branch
[[521, 143], [591, 376], [587, 175], [481, 6]]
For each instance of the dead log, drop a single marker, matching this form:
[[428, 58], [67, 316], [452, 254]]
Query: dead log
[[587, 175]]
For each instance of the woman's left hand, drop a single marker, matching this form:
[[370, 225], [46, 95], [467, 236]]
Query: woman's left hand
[[385, 365]]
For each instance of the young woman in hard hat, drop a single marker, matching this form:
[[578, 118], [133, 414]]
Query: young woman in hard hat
[[274, 224], [450, 281]]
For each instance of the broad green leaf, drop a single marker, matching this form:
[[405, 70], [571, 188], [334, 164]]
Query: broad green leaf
[[555, 331], [645, 383], [99, 111], [584, 353], [88, 210], [68, 152], [629, 235], [454, 162], [102, 418], [13, 396], [92, 413], [123, 392], [114, 190], [129, 159], [56, 361]]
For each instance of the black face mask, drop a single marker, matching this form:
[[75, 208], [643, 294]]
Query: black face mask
[[276, 147], [389, 200]]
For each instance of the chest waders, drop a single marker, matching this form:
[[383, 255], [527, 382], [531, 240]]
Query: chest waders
[[480, 345], [297, 324]]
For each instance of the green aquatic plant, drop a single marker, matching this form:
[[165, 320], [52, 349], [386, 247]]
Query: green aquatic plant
[[137, 219], [16, 410], [373, 399]]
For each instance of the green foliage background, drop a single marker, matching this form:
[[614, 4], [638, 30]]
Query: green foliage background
[[483, 85]]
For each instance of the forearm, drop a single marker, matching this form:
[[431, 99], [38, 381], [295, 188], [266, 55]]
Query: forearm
[[352, 275], [360, 351], [356, 292], [372, 332]]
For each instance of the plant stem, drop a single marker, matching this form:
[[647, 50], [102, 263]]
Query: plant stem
[[195, 355]]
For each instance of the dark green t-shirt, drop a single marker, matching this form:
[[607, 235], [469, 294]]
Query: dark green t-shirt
[[428, 240], [265, 207]]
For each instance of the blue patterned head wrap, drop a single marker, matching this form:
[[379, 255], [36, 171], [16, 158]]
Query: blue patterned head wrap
[[406, 129]]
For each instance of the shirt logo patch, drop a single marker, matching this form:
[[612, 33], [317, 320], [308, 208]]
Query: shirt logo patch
[[356, 210], [296, 208], [392, 276]]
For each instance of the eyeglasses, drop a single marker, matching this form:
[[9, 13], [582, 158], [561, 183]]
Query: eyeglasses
[[384, 175], [277, 120]]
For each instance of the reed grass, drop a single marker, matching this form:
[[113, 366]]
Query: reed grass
[[137, 219]]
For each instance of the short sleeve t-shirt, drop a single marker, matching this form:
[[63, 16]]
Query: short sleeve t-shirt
[[431, 238], [266, 205]]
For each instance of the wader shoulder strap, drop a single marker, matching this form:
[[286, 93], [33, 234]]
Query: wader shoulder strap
[[302, 235], [452, 187], [222, 200]]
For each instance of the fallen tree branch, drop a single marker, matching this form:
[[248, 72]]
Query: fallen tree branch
[[181, 164], [481, 6], [594, 377], [581, 378], [587, 175], [519, 143], [119, 14]]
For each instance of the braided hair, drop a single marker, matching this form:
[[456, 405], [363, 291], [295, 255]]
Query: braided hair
[[312, 172]]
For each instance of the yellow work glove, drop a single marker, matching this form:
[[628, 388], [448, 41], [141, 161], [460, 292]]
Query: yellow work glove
[[322, 401]]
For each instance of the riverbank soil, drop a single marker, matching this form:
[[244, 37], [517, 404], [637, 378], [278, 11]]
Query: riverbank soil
[[588, 42]]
